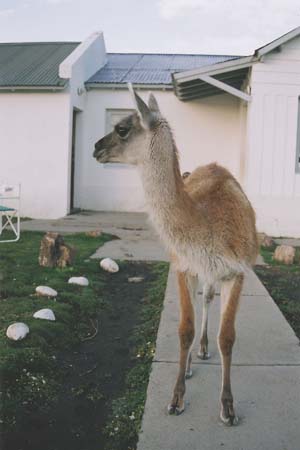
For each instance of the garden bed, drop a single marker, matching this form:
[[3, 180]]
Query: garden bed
[[283, 283], [79, 382]]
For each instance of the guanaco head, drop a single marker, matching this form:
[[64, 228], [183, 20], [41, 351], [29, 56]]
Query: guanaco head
[[127, 143]]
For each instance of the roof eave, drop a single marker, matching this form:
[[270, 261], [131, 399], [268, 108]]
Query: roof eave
[[201, 83], [33, 88], [214, 69], [277, 43], [113, 86]]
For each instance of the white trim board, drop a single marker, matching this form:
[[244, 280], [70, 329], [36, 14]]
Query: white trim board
[[225, 87]]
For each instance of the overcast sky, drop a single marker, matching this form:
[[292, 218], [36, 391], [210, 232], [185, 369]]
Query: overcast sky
[[165, 26]]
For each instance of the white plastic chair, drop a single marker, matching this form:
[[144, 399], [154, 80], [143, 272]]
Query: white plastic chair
[[10, 211]]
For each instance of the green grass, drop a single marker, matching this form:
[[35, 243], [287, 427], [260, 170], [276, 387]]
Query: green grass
[[31, 376], [283, 283], [267, 254], [28, 370]]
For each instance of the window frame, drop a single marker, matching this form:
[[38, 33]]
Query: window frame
[[297, 162], [109, 125]]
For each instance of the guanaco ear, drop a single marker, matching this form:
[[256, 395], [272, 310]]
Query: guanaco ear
[[146, 117], [153, 105]]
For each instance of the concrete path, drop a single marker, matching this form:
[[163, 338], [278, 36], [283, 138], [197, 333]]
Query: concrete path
[[90, 220], [265, 380], [137, 238], [294, 242]]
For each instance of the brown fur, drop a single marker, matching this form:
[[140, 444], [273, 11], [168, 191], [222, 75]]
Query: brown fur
[[230, 295], [217, 195], [186, 337]]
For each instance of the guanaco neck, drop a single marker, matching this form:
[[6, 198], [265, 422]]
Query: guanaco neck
[[167, 202]]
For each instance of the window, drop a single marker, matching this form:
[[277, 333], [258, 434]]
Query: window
[[298, 140], [112, 117]]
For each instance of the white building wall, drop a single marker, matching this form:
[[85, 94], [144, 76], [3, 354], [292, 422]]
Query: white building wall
[[36, 134], [78, 67], [272, 182], [81, 64], [34, 138], [205, 131]]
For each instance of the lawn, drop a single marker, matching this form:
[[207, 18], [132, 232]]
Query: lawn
[[283, 283], [78, 382]]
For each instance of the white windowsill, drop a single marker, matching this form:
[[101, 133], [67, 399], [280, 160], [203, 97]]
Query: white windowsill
[[118, 166]]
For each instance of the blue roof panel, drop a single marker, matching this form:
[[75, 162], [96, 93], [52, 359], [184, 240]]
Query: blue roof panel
[[114, 75], [145, 68], [158, 62], [147, 77], [116, 61], [187, 62]]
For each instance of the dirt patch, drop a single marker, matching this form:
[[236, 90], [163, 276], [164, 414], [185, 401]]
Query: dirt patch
[[93, 375]]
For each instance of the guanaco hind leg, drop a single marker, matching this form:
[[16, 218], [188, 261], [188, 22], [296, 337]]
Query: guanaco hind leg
[[187, 291], [230, 295], [208, 296]]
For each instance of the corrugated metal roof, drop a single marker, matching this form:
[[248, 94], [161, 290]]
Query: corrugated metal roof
[[33, 64], [143, 68]]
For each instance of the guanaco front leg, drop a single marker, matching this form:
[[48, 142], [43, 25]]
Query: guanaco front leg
[[208, 296], [187, 290], [230, 295]]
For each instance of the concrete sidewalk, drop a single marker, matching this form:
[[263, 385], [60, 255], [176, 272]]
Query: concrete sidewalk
[[265, 380]]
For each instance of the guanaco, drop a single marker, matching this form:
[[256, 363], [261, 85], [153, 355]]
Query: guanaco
[[207, 224]]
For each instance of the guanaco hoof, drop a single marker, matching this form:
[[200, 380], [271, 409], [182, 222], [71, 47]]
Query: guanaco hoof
[[229, 421], [188, 374], [175, 410], [203, 355], [227, 414]]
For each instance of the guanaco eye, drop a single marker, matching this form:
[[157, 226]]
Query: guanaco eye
[[122, 131]]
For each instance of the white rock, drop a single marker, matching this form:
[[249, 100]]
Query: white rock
[[285, 254], [46, 291], [46, 314], [82, 281], [109, 265], [135, 279], [17, 331]]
